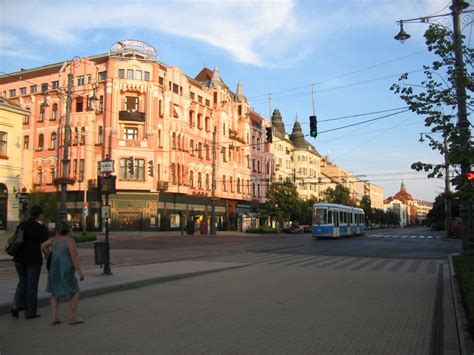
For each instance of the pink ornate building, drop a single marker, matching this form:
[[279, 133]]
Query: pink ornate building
[[157, 124]]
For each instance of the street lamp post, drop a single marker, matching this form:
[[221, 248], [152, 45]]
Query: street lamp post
[[457, 7]]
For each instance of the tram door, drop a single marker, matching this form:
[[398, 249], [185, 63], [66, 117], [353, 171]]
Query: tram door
[[335, 218]]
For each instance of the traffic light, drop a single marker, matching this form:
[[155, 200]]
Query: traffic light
[[313, 126], [470, 175], [130, 166], [150, 168], [269, 134]]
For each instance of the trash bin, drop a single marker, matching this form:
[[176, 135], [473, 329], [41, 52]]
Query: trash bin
[[100, 253], [190, 228]]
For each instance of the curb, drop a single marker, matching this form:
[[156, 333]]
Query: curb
[[466, 345], [44, 301]]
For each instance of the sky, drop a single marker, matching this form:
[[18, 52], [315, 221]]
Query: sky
[[283, 49]]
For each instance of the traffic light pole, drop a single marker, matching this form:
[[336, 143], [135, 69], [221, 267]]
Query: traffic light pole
[[213, 183]]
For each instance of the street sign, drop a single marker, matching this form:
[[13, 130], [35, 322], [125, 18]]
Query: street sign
[[105, 211], [107, 166], [85, 211]]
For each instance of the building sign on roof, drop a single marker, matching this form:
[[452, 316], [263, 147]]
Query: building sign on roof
[[129, 46]]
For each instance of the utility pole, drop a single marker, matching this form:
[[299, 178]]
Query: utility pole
[[447, 189], [65, 161], [463, 126], [213, 185]]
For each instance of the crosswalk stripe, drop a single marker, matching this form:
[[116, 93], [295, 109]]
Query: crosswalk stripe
[[404, 236], [422, 236], [429, 237], [413, 236]]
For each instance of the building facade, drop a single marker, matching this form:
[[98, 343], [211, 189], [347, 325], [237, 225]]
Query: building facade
[[11, 118]]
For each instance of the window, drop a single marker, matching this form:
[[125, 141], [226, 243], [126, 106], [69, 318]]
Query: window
[[54, 112], [41, 115], [80, 80], [121, 73], [175, 88], [23, 91], [130, 133], [39, 180], [173, 141], [231, 183], [238, 185], [74, 168], [199, 121], [102, 75], [40, 142], [76, 136], [89, 78], [99, 135], [79, 104], [53, 174], [131, 103], [83, 135], [12, 92], [191, 179], [55, 85], [191, 147], [200, 150], [3, 144], [81, 170], [224, 186], [199, 184], [161, 80], [147, 76], [53, 142], [26, 118], [138, 169], [207, 124], [138, 74], [200, 99], [191, 115], [129, 73], [26, 142], [207, 182], [33, 89]]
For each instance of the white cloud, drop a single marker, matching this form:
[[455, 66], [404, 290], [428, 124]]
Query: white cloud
[[240, 28]]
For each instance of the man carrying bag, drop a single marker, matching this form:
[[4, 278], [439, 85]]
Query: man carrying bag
[[28, 261]]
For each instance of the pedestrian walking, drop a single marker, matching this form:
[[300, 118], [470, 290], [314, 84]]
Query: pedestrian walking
[[28, 262], [62, 281]]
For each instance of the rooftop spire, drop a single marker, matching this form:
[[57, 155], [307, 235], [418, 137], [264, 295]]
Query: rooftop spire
[[216, 79], [240, 92]]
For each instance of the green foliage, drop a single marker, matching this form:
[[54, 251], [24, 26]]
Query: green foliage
[[263, 230], [85, 237], [436, 100], [464, 269], [48, 202], [366, 205], [340, 194], [283, 202], [306, 214]]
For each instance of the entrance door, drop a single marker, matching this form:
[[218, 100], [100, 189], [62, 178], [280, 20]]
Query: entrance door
[[129, 221], [3, 206]]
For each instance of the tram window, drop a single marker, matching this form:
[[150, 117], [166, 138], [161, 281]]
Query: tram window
[[330, 217], [321, 216]]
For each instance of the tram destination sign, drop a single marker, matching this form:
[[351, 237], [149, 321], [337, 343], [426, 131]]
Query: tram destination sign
[[106, 166]]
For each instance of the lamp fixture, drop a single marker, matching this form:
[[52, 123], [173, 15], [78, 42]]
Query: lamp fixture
[[402, 36]]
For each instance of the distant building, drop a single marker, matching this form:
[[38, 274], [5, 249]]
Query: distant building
[[414, 211]]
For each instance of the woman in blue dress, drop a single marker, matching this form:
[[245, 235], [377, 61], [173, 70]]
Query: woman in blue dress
[[62, 282]]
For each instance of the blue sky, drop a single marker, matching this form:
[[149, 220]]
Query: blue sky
[[345, 48]]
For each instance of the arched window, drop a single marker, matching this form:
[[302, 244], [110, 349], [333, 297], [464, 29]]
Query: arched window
[[231, 183], [253, 190], [238, 185], [191, 147], [40, 176], [53, 174], [83, 135], [191, 179], [54, 112], [207, 182], [53, 143], [199, 181], [41, 141]]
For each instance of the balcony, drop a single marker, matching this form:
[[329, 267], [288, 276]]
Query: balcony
[[132, 116]]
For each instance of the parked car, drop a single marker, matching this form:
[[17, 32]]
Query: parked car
[[437, 226]]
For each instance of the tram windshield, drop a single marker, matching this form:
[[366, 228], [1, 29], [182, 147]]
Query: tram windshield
[[321, 216]]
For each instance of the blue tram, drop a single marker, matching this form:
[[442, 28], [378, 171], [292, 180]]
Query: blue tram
[[334, 221]]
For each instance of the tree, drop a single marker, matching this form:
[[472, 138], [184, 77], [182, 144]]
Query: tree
[[283, 202], [340, 194], [48, 202], [306, 214], [436, 99], [366, 205]]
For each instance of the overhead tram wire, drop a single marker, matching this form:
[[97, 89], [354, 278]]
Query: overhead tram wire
[[342, 75]]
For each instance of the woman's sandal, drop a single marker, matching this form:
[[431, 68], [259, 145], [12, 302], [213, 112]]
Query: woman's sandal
[[76, 321], [56, 322]]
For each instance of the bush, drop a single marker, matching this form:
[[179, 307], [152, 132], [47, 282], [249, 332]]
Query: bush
[[464, 269], [84, 237], [263, 230]]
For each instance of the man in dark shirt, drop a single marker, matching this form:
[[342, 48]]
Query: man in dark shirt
[[28, 262]]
